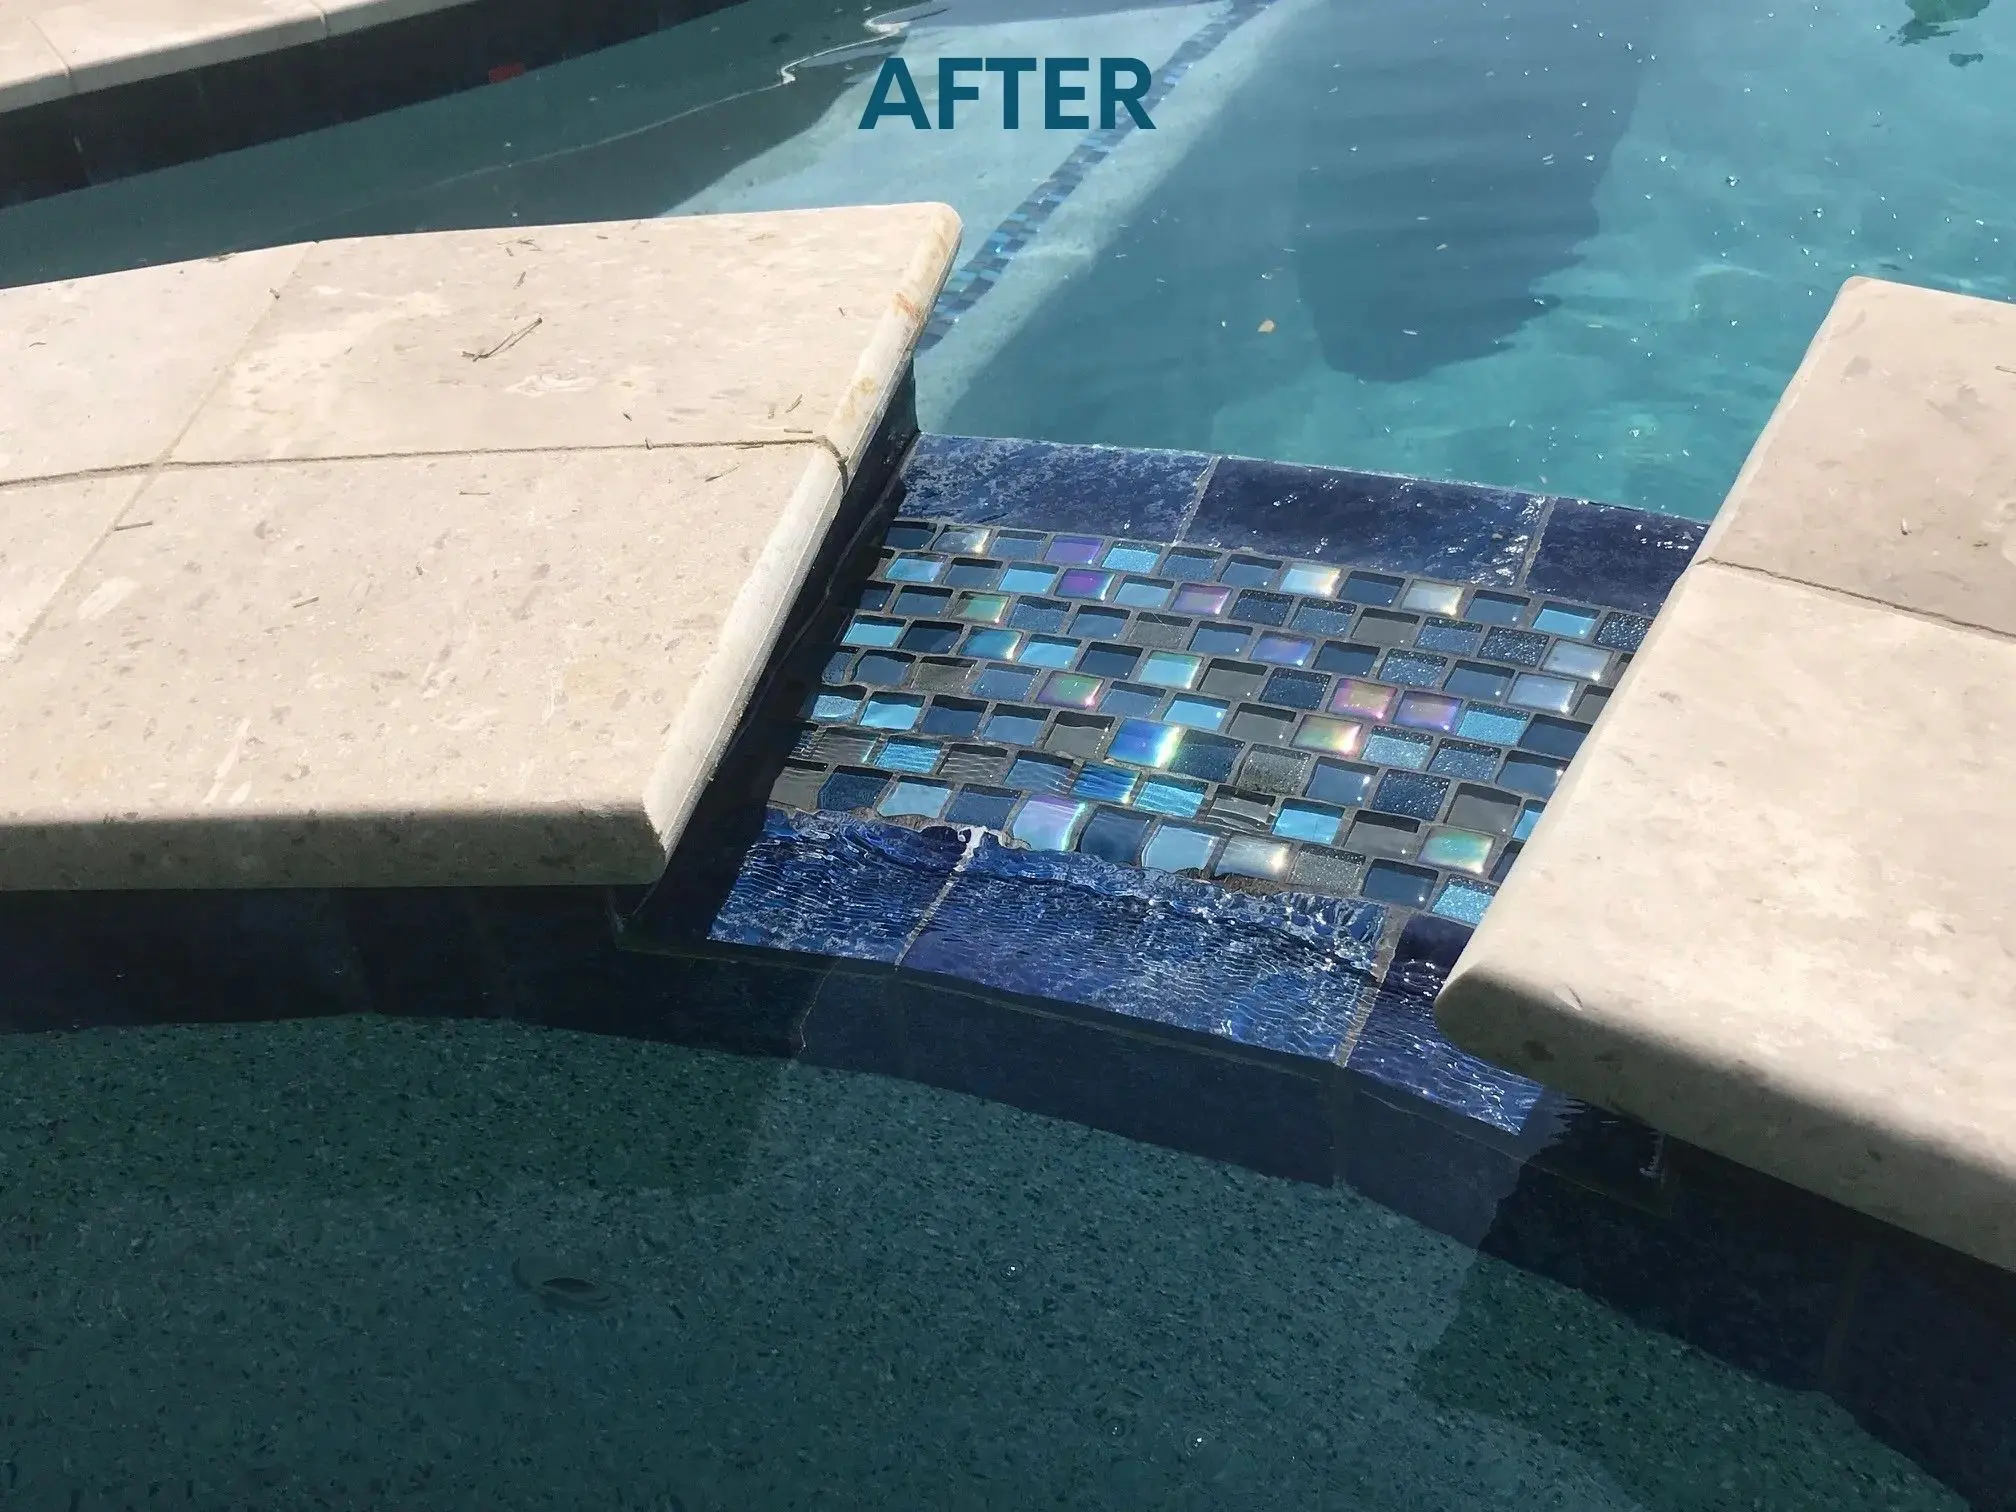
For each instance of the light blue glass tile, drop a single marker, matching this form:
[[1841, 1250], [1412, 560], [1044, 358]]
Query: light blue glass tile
[[1432, 598], [918, 756], [1532, 691], [1561, 619], [1025, 579], [1585, 662], [1049, 824], [1197, 713], [1130, 558], [1528, 817], [1306, 577], [1388, 749], [1170, 795], [1049, 651], [833, 706], [1464, 902], [914, 569], [863, 630], [1177, 848], [1139, 593], [1105, 784], [1219, 640], [962, 540], [1308, 821], [1142, 742], [892, 711], [994, 645], [1170, 669], [924, 800], [1500, 726]]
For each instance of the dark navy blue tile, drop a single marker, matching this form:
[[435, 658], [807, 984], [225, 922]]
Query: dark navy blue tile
[[1623, 632], [1207, 756], [1116, 836], [1401, 1046], [1282, 972], [1553, 737], [983, 808], [1607, 554], [1450, 531], [1524, 647], [1346, 659], [1411, 795], [1297, 690], [851, 790], [1479, 680], [1095, 489]]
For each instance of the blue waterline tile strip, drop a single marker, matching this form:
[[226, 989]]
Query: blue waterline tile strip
[[1239, 748], [980, 272]]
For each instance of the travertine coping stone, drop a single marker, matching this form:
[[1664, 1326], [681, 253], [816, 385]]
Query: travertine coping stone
[[1772, 909], [447, 559]]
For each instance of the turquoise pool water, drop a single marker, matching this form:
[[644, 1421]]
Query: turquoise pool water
[[1566, 245]]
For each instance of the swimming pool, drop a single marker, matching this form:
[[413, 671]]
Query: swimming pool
[[1559, 245]]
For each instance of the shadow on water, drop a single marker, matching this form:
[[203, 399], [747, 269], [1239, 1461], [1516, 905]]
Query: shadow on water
[[1932, 19]]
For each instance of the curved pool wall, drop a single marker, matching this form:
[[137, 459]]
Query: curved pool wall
[[1560, 246]]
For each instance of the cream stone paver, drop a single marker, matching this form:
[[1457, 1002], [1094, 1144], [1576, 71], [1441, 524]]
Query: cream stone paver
[[106, 372], [426, 620], [46, 531], [539, 338], [105, 43], [1889, 468], [1769, 910], [30, 71]]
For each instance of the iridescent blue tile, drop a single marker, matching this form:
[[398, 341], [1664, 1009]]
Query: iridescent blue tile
[[1623, 632], [1179, 848], [1371, 588], [1532, 691], [1449, 635], [994, 645], [1170, 795], [1261, 608], [1210, 757], [1003, 682], [1399, 884], [1191, 566], [1280, 650], [1389, 748], [1311, 578], [1201, 598], [865, 630], [1433, 598], [1308, 821], [952, 716], [1321, 619], [1038, 774], [1497, 608], [1220, 640], [1610, 555], [1296, 690], [1410, 795], [1499, 726], [1565, 619], [1074, 550], [1341, 783], [983, 808], [1023, 578], [1523, 648], [1070, 690], [1457, 759], [1138, 742], [914, 799], [846, 791], [1145, 593], [1195, 712], [1087, 583], [1410, 669], [1090, 489], [915, 756], [1588, 663], [1531, 774], [1252, 856], [1048, 651], [1553, 737], [1529, 816], [913, 569], [1344, 659], [883, 669], [1248, 572], [892, 711], [1105, 784], [931, 637], [1099, 624], [1115, 835], [838, 704], [1048, 824], [1129, 556], [1131, 701], [1458, 850], [962, 540], [922, 602], [1109, 660], [1463, 901], [1478, 680]]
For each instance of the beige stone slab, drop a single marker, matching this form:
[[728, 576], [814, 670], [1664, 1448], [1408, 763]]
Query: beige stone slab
[[107, 372], [1773, 907], [512, 668], [30, 71], [105, 43], [1889, 468], [683, 331], [46, 532]]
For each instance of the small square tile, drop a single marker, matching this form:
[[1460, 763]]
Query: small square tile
[[1433, 598], [1018, 545], [1458, 850], [1261, 608], [1281, 650], [1457, 758], [1257, 722], [1269, 770], [1454, 636], [1346, 659], [1496, 608], [1311, 578], [1553, 737], [1402, 886], [1380, 628], [1171, 669], [922, 602], [1197, 566], [1569, 660], [883, 669], [1048, 824], [1484, 810], [1022, 578], [1478, 680], [1249, 572], [1049, 651], [1087, 583], [1484, 722], [1372, 588], [1565, 619], [1179, 848], [1384, 835], [838, 667], [1529, 816], [1335, 873], [1428, 711], [870, 630], [974, 763], [1252, 856], [905, 534], [1198, 598], [1229, 679], [845, 791], [1412, 669], [933, 637], [901, 754], [1342, 783], [1523, 648], [1074, 550], [1070, 690], [1234, 810], [797, 786], [1115, 835], [875, 596], [1623, 632], [973, 574], [1537, 775], [1016, 726], [1105, 784], [1591, 703], [892, 711], [1220, 640], [913, 569], [962, 540], [1366, 700], [1209, 757], [1391, 748], [1044, 616], [1131, 556], [834, 703], [1170, 795], [1077, 735], [1531, 690], [1145, 593], [1297, 690], [1196, 713], [1411, 795], [1313, 822], [1332, 737], [911, 797], [1131, 701], [1463, 901], [1003, 682], [1322, 618], [1138, 742], [995, 645], [1159, 630], [1507, 858], [979, 609]]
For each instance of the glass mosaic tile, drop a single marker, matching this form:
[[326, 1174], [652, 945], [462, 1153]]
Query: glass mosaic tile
[[1455, 758], [1497, 608], [1346, 659], [1051, 651], [1296, 690], [1144, 593], [1198, 598], [1131, 700], [1338, 873], [1522, 648], [918, 756], [835, 670], [910, 797], [1410, 794], [875, 596], [1372, 588], [1003, 682], [1307, 578], [1106, 784], [1017, 726], [1178, 848], [1341, 783], [1210, 757], [1391, 748], [984, 808], [1087, 583], [1458, 850], [972, 574], [1070, 690], [1074, 551], [1141, 743], [1499, 726], [1268, 770], [908, 533], [1045, 616], [1483, 809], [1406, 886], [1308, 821], [1528, 817], [1049, 824], [1412, 669], [1038, 774], [1228, 679], [1099, 624], [1553, 737], [1079, 735], [1027, 579], [866, 630], [1322, 619], [962, 540], [1128, 556], [1220, 640], [797, 786], [1449, 635], [921, 601], [931, 636], [1251, 856], [1258, 722], [845, 791], [1234, 810], [1018, 545], [1530, 690], [1531, 774], [1380, 628], [974, 763], [843, 747], [952, 716], [1463, 901], [1591, 703], [1333, 737], [1478, 680], [913, 569], [1116, 836], [883, 669], [1369, 700], [1283, 650], [1623, 632], [1506, 858], [833, 705], [1199, 566], [980, 608], [1247, 572], [1433, 598], [1584, 662], [1261, 608], [1384, 835], [1167, 795], [1428, 711], [1171, 669], [995, 645], [1565, 619], [1196, 713]]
